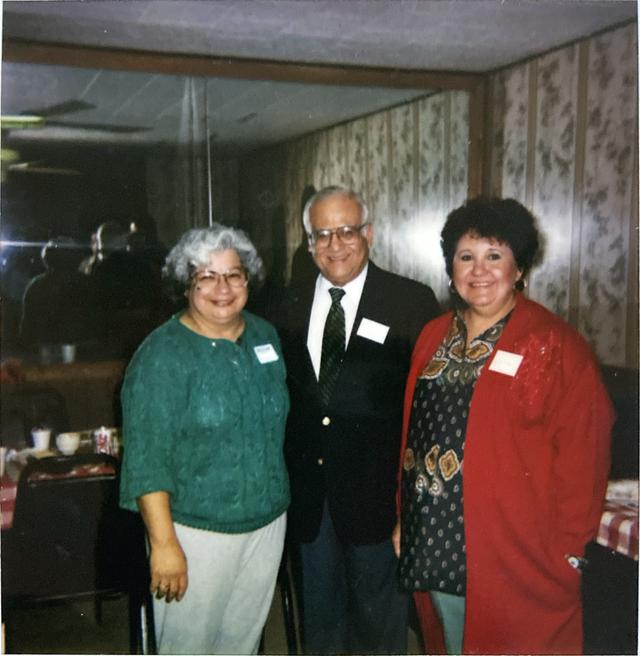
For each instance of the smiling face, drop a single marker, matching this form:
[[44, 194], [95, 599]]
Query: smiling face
[[216, 304], [340, 262], [484, 275]]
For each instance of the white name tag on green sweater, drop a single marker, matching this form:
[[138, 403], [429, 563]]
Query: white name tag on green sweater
[[266, 353]]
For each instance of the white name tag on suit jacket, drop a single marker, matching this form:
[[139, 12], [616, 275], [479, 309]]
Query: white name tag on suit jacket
[[376, 332], [505, 363], [266, 353]]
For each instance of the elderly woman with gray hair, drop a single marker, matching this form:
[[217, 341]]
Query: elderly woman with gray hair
[[204, 409]]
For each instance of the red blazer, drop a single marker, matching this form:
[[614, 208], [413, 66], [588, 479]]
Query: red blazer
[[536, 463]]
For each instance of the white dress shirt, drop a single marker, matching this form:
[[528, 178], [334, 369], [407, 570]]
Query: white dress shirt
[[320, 310]]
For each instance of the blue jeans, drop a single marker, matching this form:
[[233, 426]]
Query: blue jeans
[[351, 599]]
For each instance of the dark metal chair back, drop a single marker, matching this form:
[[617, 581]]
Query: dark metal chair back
[[70, 539]]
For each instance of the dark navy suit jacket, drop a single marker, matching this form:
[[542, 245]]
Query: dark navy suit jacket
[[348, 452]]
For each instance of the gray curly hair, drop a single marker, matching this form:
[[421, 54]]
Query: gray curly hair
[[195, 246]]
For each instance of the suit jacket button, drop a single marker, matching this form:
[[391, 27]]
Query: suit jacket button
[[320, 461], [326, 421]]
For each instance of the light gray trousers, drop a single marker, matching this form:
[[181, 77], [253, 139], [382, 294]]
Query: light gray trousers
[[231, 583]]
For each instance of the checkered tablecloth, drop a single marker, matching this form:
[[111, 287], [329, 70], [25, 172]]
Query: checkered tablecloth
[[8, 489], [619, 527]]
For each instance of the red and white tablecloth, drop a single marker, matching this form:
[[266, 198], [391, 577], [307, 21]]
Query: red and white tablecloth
[[619, 527], [8, 489]]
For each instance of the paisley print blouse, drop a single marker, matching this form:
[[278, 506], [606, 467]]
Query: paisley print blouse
[[433, 546]]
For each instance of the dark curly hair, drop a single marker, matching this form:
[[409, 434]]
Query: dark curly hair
[[503, 219]]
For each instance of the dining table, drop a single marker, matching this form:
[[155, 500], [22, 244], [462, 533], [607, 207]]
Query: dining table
[[8, 492], [618, 528], [17, 461], [64, 536]]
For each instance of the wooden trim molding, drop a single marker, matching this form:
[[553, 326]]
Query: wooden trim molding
[[578, 184], [488, 107], [477, 156], [632, 270], [16, 50]]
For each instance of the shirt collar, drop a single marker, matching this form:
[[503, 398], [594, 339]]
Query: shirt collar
[[353, 289], [491, 334]]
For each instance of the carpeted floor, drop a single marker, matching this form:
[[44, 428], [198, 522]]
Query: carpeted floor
[[71, 628]]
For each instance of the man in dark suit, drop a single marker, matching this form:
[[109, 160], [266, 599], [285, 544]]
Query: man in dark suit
[[343, 433]]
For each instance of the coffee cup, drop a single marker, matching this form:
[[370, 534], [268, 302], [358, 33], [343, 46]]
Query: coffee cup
[[68, 443], [41, 438]]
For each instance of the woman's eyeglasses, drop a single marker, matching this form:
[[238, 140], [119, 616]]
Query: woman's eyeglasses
[[346, 234], [208, 279]]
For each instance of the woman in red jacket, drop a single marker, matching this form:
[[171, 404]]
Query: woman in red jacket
[[505, 451]]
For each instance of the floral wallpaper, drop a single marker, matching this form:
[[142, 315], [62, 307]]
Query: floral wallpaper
[[562, 139], [554, 171], [410, 164], [514, 129], [610, 173], [564, 143]]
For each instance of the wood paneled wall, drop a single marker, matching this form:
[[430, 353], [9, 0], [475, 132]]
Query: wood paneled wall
[[409, 162], [560, 136], [563, 140]]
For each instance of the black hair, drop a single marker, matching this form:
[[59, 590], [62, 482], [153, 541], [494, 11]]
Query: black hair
[[503, 219]]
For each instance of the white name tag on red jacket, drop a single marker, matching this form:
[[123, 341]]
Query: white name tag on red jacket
[[373, 330], [505, 363]]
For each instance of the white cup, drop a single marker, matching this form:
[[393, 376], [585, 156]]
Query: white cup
[[68, 443], [41, 438], [68, 353]]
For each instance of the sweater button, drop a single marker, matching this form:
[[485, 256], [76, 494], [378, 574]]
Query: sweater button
[[320, 462], [326, 421]]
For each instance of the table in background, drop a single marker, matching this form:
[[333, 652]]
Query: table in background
[[619, 527], [610, 582], [9, 483], [8, 490], [90, 390]]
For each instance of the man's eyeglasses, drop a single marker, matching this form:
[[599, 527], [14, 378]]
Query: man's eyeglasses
[[346, 234], [208, 279]]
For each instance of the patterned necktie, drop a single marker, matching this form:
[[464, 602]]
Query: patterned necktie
[[333, 342]]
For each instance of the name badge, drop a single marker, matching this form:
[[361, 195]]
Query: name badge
[[506, 363], [266, 353], [377, 332]]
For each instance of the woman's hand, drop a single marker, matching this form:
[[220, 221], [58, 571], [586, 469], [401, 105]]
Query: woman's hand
[[395, 539], [168, 564], [168, 571]]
